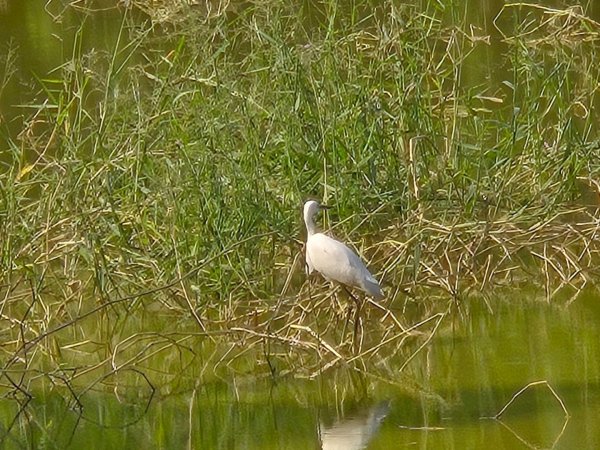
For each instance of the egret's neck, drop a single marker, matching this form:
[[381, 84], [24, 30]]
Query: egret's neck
[[310, 225]]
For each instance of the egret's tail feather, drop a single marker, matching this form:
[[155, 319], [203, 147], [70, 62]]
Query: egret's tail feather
[[373, 289]]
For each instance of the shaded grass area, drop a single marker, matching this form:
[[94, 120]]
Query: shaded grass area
[[151, 201]]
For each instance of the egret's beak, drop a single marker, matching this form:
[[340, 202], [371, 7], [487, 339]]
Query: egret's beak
[[324, 207]]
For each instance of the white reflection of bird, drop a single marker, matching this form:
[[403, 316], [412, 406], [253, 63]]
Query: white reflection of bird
[[334, 260], [353, 433]]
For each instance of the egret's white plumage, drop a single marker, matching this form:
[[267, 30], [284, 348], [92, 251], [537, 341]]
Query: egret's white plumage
[[334, 260]]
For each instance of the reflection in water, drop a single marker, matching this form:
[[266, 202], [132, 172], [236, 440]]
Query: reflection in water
[[353, 433], [476, 371]]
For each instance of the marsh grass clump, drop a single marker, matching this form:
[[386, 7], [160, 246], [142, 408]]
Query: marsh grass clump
[[151, 199]]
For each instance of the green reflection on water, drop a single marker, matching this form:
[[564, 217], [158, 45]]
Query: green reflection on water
[[468, 373], [37, 39]]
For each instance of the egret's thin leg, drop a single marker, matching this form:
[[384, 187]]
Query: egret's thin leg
[[340, 308], [356, 339], [347, 321], [357, 330]]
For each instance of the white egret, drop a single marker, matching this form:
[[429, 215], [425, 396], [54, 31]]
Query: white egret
[[333, 259]]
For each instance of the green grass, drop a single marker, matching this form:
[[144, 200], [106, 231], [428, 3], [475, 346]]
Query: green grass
[[155, 186]]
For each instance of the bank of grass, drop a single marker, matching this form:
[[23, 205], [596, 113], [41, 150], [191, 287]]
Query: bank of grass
[[151, 203]]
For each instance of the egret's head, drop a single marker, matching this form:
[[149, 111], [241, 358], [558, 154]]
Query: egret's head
[[311, 208]]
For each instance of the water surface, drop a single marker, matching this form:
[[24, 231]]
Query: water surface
[[470, 370]]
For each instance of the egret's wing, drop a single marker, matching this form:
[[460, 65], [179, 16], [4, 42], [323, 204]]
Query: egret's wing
[[335, 261]]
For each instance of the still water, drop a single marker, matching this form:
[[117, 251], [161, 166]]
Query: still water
[[467, 373]]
